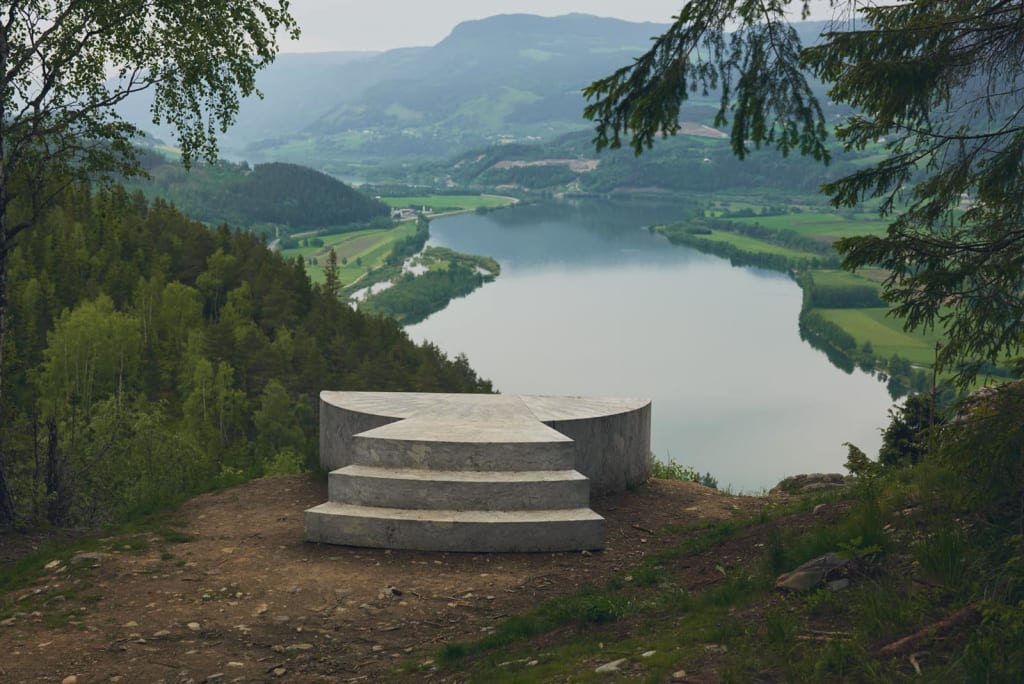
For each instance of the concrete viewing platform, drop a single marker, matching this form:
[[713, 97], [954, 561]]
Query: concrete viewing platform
[[474, 472]]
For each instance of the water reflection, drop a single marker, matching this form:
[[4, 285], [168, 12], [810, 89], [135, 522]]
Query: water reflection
[[590, 303]]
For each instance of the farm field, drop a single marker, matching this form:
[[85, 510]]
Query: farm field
[[822, 224], [832, 277], [446, 203], [357, 252], [885, 333], [750, 244]]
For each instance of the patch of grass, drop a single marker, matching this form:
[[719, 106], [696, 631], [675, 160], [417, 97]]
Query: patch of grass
[[714, 533], [58, 620], [659, 614], [886, 610], [742, 630], [589, 607], [592, 607], [675, 600], [943, 554], [735, 591], [27, 570], [126, 537], [862, 528], [649, 575], [775, 552], [781, 626], [823, 603]]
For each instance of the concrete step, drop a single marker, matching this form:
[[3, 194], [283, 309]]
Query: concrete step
[[382, 451], [459, 490], [445, 530]]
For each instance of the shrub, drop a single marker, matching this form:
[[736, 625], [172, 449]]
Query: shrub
[[663, 470]]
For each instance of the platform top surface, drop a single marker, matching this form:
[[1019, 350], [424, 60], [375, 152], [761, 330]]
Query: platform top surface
[[480, 418], [480, 406]]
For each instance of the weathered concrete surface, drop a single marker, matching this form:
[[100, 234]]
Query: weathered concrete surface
[[611, 437], [461, 472], [440, 530], [416, 488], [338, 427]]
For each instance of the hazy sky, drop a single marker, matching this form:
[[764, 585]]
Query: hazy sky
[[386, 24]]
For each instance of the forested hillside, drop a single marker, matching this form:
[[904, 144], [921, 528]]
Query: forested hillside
[[150, 358], [506, 78], [511, 76], [269, 198], [687, 163]]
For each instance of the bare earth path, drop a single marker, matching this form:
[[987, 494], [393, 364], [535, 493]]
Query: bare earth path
[[233, 593]]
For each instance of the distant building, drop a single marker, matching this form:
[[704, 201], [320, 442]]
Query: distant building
[[403, 214]]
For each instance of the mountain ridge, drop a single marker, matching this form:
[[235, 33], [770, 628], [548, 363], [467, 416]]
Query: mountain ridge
[[500, 79]]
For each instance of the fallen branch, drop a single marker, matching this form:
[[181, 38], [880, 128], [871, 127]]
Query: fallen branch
[[944, 627], [170, 666], [644, 529]]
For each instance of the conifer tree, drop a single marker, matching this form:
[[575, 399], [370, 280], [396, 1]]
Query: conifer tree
[[939, 84], [57, 117], [332, 284]]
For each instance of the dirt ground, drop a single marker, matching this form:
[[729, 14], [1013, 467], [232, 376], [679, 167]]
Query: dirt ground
[[233, 593]]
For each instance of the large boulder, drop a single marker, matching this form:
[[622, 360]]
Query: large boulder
[[812, 482]]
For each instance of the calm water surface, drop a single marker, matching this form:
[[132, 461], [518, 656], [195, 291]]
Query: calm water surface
[[590, 303]]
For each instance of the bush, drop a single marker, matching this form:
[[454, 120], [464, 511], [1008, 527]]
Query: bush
[[676, 471], [984, 445]]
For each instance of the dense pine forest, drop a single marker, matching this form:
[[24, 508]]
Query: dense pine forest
[[149, 358], [268, 198]]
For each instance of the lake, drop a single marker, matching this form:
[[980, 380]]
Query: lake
[[589, 302]]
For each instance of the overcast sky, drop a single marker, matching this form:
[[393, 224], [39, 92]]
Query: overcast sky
[[385, 24]]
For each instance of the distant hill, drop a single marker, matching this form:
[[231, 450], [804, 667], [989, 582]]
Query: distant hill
[[268, 196], [509, 77], [294, 92], [505, 79], [699, 159]]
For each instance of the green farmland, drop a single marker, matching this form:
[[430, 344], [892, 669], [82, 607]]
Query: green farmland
[[843, 311], [357, 252], [885, 333], [448, 203], [822, 225], [750, 244]]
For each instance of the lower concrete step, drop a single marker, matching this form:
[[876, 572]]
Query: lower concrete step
[[445, 530], [459, 490]]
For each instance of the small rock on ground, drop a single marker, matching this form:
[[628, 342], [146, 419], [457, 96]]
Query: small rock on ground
[[611, 667], [811, 574]]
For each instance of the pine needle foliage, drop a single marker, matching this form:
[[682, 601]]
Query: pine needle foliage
[[939, 85]]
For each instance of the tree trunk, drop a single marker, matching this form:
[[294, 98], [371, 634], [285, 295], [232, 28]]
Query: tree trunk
[[6, 501], [58, 504]]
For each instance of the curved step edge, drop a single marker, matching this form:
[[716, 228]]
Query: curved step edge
[[447, 530], [459, 490]]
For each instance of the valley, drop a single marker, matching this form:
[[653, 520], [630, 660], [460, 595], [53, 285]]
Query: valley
[[498, 209]]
